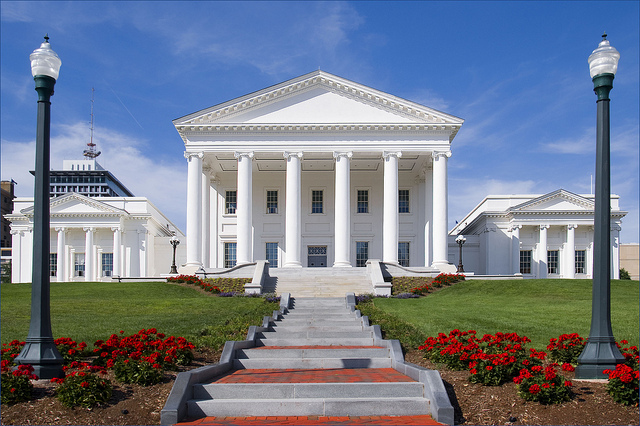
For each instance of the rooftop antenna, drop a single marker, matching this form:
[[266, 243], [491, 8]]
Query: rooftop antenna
[[91, 151]]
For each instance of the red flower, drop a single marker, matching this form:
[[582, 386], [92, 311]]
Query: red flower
[[568, 383], [84, 384], [534, 389]]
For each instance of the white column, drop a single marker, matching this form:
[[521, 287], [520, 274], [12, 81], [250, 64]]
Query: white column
[[515, 248], [440, 208], [615, 251], [206, 217], [542, 252], [213, 224], [61, 254], [390, 207], [342, 210], [570, 256], [194, 209], [88, 254], [16, 256], [244, 208], [428, 215], [293, 211], [142, 248], [116, 252], [98, 263]]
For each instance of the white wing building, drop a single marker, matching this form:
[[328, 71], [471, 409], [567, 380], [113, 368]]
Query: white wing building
[[318, 171]]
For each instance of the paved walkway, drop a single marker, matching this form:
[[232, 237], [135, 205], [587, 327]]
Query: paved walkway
[[325, 375], [315, 420]]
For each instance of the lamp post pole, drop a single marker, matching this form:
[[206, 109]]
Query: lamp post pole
[[174, 242], [460, 240], [40, 350], [601, 352]]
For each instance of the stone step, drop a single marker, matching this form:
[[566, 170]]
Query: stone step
[[334, 352], [348, 341], [347, 326], [320, 312], [285, 334], [307, 390], [310, 363], [310, 321], [388, 406]]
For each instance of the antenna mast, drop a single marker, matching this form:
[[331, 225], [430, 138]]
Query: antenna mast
[[91, 151]]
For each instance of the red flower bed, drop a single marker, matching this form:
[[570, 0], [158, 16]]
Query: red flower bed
[[192, 279]]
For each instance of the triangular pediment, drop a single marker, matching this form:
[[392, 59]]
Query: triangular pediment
[[557, 201], [76, 204], [318, 98]]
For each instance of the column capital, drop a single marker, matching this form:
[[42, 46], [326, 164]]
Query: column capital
[[188, 155], [89, 229], [544, 227], [17, 232], [514, 227], [436, 154], [60, 229], [387, 154], [346, 154], [572, 226], [616, 227], [116, 229], [239, 154], [288, 155]]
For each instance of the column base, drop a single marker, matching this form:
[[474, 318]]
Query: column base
[[292, 265], [43, 355], [599, 354], [445, 267], [190, 268], [342, 265]]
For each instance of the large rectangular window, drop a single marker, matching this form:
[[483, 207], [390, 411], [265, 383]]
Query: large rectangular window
[[403, 254], [317, 201], [552, 261], [362, 253], [79, 264], [272, 202], [107, 264], [53, 264], [230, 202], [363, 201], [403, 201], [272, 254], [525, 261], [229, 255], [580, 261]]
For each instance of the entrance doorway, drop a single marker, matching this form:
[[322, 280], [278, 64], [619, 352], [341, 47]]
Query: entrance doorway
[[317, 256]]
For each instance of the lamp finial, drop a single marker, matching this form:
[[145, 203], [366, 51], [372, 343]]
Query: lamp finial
[[46, 37], [604, 35]]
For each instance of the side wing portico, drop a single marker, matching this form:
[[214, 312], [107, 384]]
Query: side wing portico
[[317, 164]]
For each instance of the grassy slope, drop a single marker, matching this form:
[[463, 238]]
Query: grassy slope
[[539, 309], [91, 311]]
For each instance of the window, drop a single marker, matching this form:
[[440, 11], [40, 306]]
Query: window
[[230, 202], [362, 253], [580, 261], [229, 254], [272, 255], [552, 261], [525, 261], [53, 264], [79, 265], [316, 201], [403, 201], [107, 264], [363, 201], [403, 254], [272, 202]]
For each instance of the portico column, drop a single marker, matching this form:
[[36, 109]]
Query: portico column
[[542, 252], [206, 216], [116, 252], [615, 252], [244, 208], [16, 256], [60, 256], [194, 209], [515, 249], [440, 208], [342, 210], [390, 207], [571, 252], [293, 211], [88, 254], [428, 215]]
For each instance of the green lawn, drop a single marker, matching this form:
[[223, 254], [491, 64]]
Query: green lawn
[[91, 311], [539, 309]]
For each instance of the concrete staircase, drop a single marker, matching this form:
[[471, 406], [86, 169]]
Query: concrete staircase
[[319, 282], [314, 337]]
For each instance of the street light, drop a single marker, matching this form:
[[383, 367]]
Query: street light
[[460, 240], [40, 351], [174, 242], [601, 352]]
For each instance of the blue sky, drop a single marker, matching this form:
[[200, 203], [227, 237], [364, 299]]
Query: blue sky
[[515, 71]]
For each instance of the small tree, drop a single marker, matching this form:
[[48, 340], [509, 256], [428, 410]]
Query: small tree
[[624, 274], [6, 272]]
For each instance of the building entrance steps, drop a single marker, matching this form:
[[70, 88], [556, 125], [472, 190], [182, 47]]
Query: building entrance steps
[[321, 358], [318, 282]]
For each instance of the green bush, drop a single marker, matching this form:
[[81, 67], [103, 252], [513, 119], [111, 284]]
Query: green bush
[[16, 384], [139, 372], [228, 285], [624, 274], [83, 388]]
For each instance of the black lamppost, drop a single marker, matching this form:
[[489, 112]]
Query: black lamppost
[[174, 242], [460, 240], [601, 352], [40, 351]]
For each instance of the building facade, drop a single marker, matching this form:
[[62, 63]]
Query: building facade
[[538, 236], [317, 171], [95, 239]]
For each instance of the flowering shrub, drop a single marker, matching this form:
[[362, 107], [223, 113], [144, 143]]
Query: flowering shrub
[[70, 349], [12, 350], [446, 279], [421, 291], [83, 386], [405, 284], [422, 285], [228, 285], [16, 384], [566, 348], [543, 384], [453, 349], [193, 280], [623, 384], [142, 371]]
